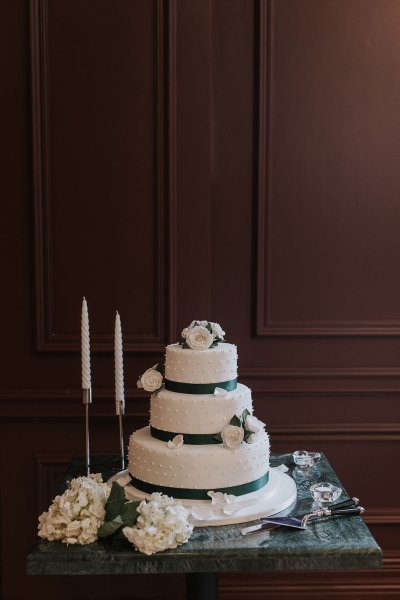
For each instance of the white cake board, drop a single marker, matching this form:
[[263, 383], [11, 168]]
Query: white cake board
[[279, 494]]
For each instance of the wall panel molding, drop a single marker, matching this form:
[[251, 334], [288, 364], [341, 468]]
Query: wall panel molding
[[47, 338], [322, 381], [50, 470], [265, 324]]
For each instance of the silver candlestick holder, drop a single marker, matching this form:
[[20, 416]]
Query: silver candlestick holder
[[87, 399]]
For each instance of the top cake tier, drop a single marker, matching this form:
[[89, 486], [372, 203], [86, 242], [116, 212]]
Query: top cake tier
[[214, 365]]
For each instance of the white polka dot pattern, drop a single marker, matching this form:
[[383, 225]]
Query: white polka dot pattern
[[196, 467], [201, 366], [197, 413]]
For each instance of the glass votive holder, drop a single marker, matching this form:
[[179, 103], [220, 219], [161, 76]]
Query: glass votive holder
[[304, 459], [324, 491]]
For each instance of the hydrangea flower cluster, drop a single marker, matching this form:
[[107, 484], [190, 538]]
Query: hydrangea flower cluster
[[162, 524], [201, 335], [76, 515]]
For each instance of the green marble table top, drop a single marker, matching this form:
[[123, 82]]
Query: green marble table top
[[332, 543]]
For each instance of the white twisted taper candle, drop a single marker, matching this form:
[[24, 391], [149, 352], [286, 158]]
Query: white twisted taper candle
[[119, 367], [85, 344]]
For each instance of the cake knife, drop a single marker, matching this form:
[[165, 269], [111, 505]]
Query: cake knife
[[301, 521]]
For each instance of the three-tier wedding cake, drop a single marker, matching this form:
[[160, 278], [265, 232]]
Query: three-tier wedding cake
[[203, 437]]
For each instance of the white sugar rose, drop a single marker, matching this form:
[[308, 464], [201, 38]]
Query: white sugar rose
[[199, 338], [185, 332], [253, 424], [251, 439], [151, 380], [217, 331], [232, 436]]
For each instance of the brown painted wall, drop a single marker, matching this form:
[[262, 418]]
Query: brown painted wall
[[221, 159]]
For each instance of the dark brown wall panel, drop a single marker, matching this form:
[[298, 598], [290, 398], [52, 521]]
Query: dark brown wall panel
[[99, 136], [328, 176]]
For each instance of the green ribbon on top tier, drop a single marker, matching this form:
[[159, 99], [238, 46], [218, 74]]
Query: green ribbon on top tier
[[198, 494], [199, 388], [194, 439]]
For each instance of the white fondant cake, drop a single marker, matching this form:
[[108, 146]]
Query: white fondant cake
[[202, 435]]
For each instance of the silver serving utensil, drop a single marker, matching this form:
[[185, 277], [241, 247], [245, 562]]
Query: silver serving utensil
[[301, 521], [349, 503]]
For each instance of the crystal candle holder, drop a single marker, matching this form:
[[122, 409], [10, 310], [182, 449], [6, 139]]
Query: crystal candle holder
[[304, 459], [324, 491]]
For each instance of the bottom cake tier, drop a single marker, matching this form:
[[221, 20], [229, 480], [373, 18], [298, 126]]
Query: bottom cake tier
[[190, 471]]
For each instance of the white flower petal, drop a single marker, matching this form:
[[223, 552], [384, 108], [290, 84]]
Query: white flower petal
[[176, 442]]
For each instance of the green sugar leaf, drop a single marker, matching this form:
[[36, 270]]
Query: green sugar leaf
[[245, 414], [236, 421]]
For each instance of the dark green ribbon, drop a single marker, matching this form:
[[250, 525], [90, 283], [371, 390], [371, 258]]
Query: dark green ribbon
[[192, 494], [188, 438], [199, 388]]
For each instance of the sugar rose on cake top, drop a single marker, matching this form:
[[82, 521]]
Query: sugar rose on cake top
[[184, 369], [201, 335]]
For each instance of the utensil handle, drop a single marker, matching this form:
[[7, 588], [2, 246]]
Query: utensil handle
[[355, 510], [345, 503]]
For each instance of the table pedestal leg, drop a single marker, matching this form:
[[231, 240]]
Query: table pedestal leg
[[201, 586]]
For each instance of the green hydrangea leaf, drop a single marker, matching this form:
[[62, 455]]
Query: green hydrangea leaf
[[129, 513], [115, 502], [110, 527]]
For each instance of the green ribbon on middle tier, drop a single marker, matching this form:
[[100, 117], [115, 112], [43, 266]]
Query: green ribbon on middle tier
[[188, 438], [199, 388]]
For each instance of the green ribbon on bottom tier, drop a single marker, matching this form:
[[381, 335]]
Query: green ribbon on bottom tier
[[188, 438], [199, 494], [199, 388]]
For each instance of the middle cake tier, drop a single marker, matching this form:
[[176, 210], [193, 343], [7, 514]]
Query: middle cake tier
[[197, 413]]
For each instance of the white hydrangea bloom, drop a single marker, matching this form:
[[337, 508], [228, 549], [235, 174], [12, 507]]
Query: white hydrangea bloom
[[162, 523], [76, 515]]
